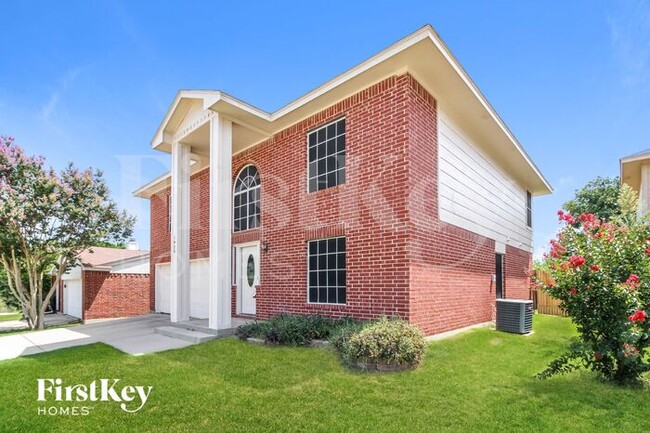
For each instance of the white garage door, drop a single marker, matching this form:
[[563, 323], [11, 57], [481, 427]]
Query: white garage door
[[199, 280], [72, 298], [199, 290], [163, 287]]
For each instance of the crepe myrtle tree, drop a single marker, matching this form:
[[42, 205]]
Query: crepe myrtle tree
[[46, 220], [601, 275]]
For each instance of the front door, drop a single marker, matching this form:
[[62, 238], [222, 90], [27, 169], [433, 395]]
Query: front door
[[249, 277]]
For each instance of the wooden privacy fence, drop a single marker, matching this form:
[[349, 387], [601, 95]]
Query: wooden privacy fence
[[543, 303]]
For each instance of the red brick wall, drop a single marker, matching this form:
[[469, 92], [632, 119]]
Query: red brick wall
[[199, 225], [401, 259], [451, 268], [107, 295], [518, 266], [369, 209]]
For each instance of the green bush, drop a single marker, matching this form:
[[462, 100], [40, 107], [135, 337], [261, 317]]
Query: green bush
[[346, 328], [291, 330], [8, 302], [384, 342], [391, 342], [253, 330]]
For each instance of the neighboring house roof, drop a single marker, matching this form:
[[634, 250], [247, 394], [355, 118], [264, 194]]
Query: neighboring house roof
[[642, 154], [106, 258], [422, 54], [631, 168]]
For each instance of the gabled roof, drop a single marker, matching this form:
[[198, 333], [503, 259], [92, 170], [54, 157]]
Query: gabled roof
[[638, 155], [105, 258], [422, 54]]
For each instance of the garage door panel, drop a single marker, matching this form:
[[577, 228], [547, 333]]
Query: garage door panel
[[163, 288], [199, 280]]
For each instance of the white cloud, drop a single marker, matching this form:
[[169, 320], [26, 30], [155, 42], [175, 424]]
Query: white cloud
[[49, 108]]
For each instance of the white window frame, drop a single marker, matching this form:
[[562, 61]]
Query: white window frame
[[234, 194], [346, 271], [344, 119]]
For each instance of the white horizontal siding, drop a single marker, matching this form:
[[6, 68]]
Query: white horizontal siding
[[140, 266], [476, 194]]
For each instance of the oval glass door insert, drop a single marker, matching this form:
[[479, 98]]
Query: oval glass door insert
[[250, 270]]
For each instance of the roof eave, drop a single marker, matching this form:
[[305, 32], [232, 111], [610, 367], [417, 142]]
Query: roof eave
[[233, 107]]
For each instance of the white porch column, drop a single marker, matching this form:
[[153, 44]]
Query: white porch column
[[220, 222], [180, 233]]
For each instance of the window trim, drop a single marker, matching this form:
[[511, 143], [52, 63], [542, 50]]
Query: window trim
[[232, 198], [316, 129], [307, 257], [529, 209]]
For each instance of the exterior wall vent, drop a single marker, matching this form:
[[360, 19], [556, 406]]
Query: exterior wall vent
[[515, 315]]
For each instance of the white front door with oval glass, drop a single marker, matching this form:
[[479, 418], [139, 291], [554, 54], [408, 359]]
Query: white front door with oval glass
[[249, 277]]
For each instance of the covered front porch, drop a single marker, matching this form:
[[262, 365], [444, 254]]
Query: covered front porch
[[201, 134]]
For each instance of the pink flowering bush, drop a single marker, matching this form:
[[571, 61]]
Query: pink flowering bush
[[601, 273]]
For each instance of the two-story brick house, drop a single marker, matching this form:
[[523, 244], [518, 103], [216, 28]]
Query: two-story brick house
[[393, 189]]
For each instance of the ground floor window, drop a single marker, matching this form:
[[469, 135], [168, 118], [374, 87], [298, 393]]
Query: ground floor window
[[326, 271]]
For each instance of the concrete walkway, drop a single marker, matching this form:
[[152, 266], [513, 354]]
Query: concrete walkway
[[134, 336], [50, 320]]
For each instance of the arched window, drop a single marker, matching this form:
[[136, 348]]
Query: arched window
[[247, 199]]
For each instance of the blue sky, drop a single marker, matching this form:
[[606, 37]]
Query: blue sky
[[89, 82]]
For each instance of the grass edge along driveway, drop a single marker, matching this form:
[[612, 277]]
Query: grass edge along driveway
[[478, 381]]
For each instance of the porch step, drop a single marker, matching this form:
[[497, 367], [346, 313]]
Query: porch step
[[198, 326], [195, 337]]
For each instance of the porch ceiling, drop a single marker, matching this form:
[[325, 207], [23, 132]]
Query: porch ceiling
[[631, 169]]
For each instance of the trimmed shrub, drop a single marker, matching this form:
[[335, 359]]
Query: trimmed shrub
[[384, 342], [381, 343], [253, 330], [346, 328], [290, 330]]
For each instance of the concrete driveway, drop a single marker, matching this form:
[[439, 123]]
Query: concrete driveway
[[50, 320], [134, 336]]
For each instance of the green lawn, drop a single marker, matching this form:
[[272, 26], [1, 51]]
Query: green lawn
[[479, 381], [11, 316]]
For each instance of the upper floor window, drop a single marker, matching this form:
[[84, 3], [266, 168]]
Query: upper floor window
[[246, 198], [326, 148], [529, 209]]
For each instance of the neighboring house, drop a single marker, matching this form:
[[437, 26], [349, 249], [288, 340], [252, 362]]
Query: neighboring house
[[106, 283], [635, 171], [393, 189]]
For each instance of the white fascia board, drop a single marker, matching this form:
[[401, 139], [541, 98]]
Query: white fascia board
[[209, 97], [635, 158], [127, 261], [144, 191], [383, 55]]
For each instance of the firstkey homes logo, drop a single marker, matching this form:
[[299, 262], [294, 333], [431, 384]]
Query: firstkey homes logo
[[78, 396]]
